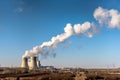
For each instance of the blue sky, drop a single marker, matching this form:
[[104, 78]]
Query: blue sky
[[27, 23]]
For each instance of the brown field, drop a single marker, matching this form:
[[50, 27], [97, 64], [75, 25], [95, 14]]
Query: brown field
[[59, 74]]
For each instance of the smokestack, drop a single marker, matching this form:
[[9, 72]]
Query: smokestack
[[24, 63], [33, 63]]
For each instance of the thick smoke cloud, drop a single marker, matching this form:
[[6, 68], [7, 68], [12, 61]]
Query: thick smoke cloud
[[86, 28], [111, 18]]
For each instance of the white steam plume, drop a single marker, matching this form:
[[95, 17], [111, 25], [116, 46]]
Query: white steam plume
[[86, 28], [109, 17]]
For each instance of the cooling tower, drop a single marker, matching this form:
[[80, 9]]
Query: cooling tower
[[33, 63], [24, 63]]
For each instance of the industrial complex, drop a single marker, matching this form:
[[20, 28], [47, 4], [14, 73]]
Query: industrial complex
[[31, 69]]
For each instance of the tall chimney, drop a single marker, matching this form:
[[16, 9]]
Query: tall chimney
[[24, 63], [33, 63]]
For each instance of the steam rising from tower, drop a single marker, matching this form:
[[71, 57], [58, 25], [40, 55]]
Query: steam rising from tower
[[86, 28], [110, 18]]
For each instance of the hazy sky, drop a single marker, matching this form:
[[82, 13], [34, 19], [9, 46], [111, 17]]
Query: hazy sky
[[27, 23]]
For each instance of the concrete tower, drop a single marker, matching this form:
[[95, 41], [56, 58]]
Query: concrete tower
[[33, 63], [24, 63]]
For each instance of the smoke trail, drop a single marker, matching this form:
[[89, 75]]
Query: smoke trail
[[86, 28], [110, 18]]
